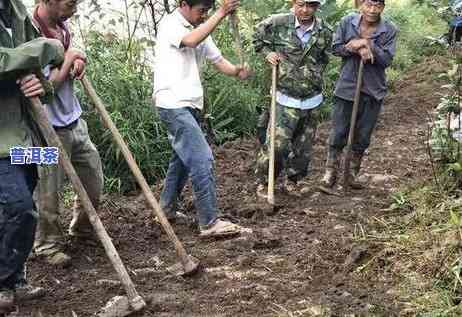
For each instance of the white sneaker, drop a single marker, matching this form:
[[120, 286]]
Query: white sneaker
[[290, 187], [262, 191], [28, 292]]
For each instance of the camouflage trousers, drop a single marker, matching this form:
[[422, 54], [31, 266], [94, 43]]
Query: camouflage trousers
[[87, 163], [295, 133]]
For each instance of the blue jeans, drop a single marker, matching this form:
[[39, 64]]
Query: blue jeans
[[18, 219], [368, 113], [191, 157]]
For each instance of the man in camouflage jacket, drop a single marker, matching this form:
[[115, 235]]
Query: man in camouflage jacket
[[299, 43]]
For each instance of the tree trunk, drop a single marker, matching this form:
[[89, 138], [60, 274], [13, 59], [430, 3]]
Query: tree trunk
[[167, 6]]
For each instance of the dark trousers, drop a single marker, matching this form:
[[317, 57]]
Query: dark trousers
[[455, 34], [368, 113], [18, 219]]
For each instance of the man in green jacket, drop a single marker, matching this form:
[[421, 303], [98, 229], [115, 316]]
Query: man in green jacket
[[21, 56], [299, 43]]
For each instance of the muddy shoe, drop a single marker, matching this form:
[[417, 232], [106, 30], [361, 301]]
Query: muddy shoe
[[59, 258], [53, 254], [27, 292], [220, 228], [328, 181], [354, 183], [329, 178], [6, 301], [262, 192], [305, 187], [290, 188]]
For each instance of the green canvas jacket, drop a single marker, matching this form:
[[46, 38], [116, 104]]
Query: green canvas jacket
[[20, 54], [300, 71]]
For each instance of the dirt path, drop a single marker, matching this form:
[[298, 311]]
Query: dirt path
[[309, 259]]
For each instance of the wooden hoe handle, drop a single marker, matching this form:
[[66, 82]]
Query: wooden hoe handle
[[237, 37], [274, 78], [184, 258], [351, 133], [53, 140]]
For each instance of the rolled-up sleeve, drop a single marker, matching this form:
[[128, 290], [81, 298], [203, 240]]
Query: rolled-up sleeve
[[339, 40], [263, 37], [30, 56]]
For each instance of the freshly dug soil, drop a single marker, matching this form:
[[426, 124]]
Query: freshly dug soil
[[307, 259]]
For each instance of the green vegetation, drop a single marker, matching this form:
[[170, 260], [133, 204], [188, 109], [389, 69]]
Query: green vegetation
[[423, 232], [123, 79], [125, 87], [418, 24]]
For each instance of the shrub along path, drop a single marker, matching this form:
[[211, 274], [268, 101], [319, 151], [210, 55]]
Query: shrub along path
[[316, 256]]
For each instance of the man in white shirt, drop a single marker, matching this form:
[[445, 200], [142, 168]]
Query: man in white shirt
[[182, 46]]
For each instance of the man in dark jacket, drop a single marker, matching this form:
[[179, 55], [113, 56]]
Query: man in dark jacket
[[365, 36]]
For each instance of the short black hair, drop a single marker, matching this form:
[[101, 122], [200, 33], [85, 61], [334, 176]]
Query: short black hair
[[206, 3]]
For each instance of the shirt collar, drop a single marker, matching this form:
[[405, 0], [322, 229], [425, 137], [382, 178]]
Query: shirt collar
[[356, 20], [180, 18], [309, 29]]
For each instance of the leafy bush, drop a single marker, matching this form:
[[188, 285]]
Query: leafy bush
[[417, 24], [125, 86]]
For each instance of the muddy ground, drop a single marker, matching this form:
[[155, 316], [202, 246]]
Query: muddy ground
[[307, 259]]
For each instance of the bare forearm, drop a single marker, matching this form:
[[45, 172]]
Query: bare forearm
[[226, 67], [199, 34], [70, 58], [59, 75]]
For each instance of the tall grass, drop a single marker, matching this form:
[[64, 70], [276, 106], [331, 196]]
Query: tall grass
[[125, 86]]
